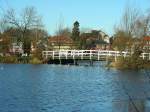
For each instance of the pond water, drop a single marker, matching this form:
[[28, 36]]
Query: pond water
[[64, 88]]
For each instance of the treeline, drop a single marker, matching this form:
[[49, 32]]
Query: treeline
[[129, 36], [25, 30], [24, 27], [133, 27]]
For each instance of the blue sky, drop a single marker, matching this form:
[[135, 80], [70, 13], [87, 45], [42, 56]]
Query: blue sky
[[94, 14]]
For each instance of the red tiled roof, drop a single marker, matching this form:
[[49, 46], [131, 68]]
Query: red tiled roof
[[60, 39], [147, 38]]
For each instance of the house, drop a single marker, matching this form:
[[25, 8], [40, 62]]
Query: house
[[4, 44], [101, 45], [61, 43], [95, 40], [39, 45], [104, 37], [146, 43], [16, 48]]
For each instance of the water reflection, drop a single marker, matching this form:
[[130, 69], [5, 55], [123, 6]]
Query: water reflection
[[135, 85], [56, 88], [129, 106]]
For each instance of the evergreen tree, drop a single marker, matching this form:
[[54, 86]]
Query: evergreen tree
[[76, 31]]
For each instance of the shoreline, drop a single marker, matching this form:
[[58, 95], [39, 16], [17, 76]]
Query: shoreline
[[117, 65], [120, 64]]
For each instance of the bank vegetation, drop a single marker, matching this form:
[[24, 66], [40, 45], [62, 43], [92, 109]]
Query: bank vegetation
[[129, 36]]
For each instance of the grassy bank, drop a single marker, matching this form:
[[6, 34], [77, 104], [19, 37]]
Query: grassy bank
[[35, 60], [130, 63], [8, 59], [18, 60]]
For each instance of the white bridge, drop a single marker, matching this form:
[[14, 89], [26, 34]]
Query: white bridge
[[88, 54]]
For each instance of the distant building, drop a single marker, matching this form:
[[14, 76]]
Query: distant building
[[61, 43], [104, 37], [102, 45], [95, 40], [40, 45], [146, 43], [16, 48]]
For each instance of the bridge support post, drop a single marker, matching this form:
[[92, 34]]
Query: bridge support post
[[46, 55], [115, 57], [143, 56], [66, 55], [59, 55], [73, 55], [53, 55], [107, 58], [98, 55], [59, 58], [82, 55], [90, 54]]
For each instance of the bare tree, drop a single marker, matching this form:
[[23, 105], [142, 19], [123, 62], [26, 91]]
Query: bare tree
[[142, 26], [61, 32], [3, 26], [147, 23], [26, 21], [129, 19], [60, 27], [130, 27]]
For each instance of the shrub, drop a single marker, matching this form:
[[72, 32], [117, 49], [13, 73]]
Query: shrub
[[35, 60], [1, 59], [132, 62], [9, 59]]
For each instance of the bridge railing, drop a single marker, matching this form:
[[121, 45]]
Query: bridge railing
[[88, 54]]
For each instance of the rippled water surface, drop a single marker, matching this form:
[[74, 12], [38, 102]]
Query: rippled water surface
[[58, 88]]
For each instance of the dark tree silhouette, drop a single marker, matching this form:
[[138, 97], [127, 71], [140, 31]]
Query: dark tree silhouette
[[76, 31]]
